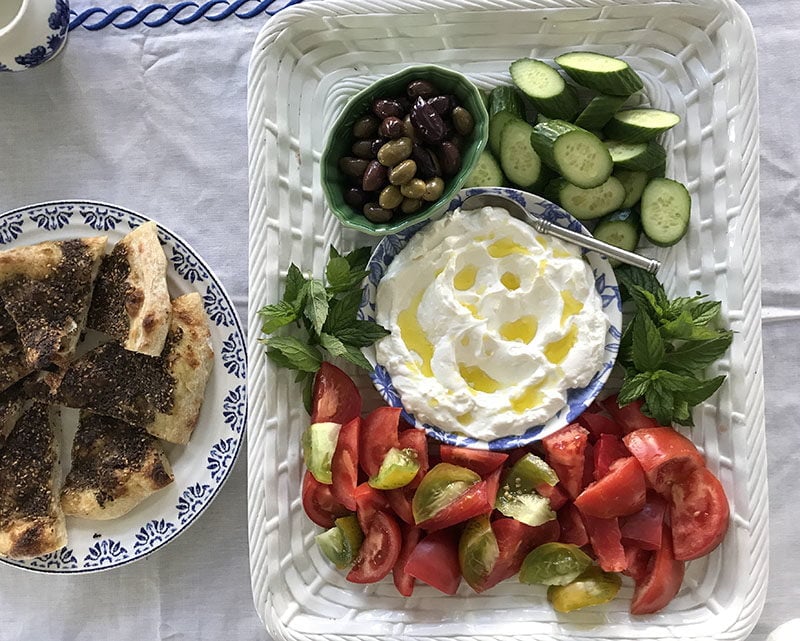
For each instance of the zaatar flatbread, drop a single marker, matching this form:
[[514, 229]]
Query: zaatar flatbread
[[131, 302]]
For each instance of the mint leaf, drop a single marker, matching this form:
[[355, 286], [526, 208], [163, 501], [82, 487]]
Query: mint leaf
[[316, 308], [337, 273], [362, 333], [354, 355], [648, 346], [292, 353], [675, 383], [276, 316], [682, 413], [358, 258], [695, 356], [682, 327], [630, 277], [294, 284], [660, 404], [342, 311], [332, 344], [705, 312], [632, 388], [703, 390]]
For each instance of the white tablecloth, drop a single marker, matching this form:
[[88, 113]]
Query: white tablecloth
[[154, 120]]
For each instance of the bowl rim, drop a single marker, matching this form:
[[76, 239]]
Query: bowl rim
[[604, 279], [435, 208]]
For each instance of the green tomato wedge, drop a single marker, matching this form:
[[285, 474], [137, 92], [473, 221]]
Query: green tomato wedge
[[342, 542], [529, 472], [443, 484], [593, 587], [399, 467], [319, 443], [554, 564], [478, 551], [528, 507]]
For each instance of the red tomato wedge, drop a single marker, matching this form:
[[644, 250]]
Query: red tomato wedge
[[335, 397], [379, 550], [434, 561], [573, 529], [319, 503], [638, 562], [630, 417], [482, 462], [599, 424], [378, 435], [588, 466], [644, 528], [475, 500], [699, 514], [515, 540], [565, 452], [608, 449], [400, 502], [661, 582], [416, 440], [558, 497], [344, 464], [619, 493], [403, 581], [369, 501], [606, 540], [666, 456]]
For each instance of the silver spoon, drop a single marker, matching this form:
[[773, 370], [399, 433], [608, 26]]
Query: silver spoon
[[546, 227]]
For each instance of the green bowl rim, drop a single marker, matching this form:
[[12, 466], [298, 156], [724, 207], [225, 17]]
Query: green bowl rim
[[476, 147]]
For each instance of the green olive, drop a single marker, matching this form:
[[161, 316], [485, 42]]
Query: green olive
[[414, 188], [390, 197], [434, 188], [395, 151]]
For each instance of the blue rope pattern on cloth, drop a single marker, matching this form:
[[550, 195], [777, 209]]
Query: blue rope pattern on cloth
[[156, 15]]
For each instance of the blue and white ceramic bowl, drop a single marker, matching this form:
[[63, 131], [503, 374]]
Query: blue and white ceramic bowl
[[202, 466], [31, 32], [578, 400]]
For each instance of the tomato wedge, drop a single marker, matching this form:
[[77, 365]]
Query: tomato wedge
[[344, 465], [666, 456], [369, 501], [606, 540], [482, 462], [558, 497], [662, 581], [638, 561], [335, 396], [565, 452], [619, 493], [434, 561], [416, 440], [608, 449], [379, 550], [319, 503], [699, 514], [403, 581], [598, 424], [643, 529], [630, 417], [573, 529], [400, 502], [378, 435], [474, 501]]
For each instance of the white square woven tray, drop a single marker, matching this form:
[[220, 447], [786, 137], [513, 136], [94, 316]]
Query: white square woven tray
[[697, 58]]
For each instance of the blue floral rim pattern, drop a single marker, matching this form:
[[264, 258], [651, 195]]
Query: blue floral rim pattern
[[220, 441], [578, 400], [182, 13]]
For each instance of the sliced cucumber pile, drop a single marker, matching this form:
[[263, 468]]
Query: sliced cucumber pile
[[567, 132]]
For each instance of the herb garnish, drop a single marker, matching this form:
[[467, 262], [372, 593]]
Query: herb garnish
[[666, 347], [324, 314]]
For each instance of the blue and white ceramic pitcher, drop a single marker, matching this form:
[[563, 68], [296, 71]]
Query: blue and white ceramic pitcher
[[31, 32]]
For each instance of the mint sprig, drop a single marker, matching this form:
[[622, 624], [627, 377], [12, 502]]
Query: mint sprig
[[666, 347], [320, 315]]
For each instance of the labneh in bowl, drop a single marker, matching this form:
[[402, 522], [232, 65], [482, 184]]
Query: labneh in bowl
[[340, 139], [577, 399]]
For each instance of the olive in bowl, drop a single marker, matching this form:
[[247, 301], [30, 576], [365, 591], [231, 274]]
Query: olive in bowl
[[402, 148]]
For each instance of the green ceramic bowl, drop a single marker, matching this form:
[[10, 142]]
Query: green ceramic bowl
[[340, 140]]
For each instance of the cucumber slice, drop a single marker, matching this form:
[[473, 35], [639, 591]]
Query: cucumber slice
[[598, 112], [506, 98], [634, 183], [487, 172], [665, 210], [621, 229], [587, 204], [602, 73], [548, 91], [518, 159], [576, 154], [640, 125], [641, 156], [497, 123]]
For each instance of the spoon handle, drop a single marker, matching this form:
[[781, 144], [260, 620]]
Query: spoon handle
[[590, 242]]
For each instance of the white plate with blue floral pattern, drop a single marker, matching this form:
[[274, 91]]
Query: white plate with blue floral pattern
[[202, 466], [579, 399]]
